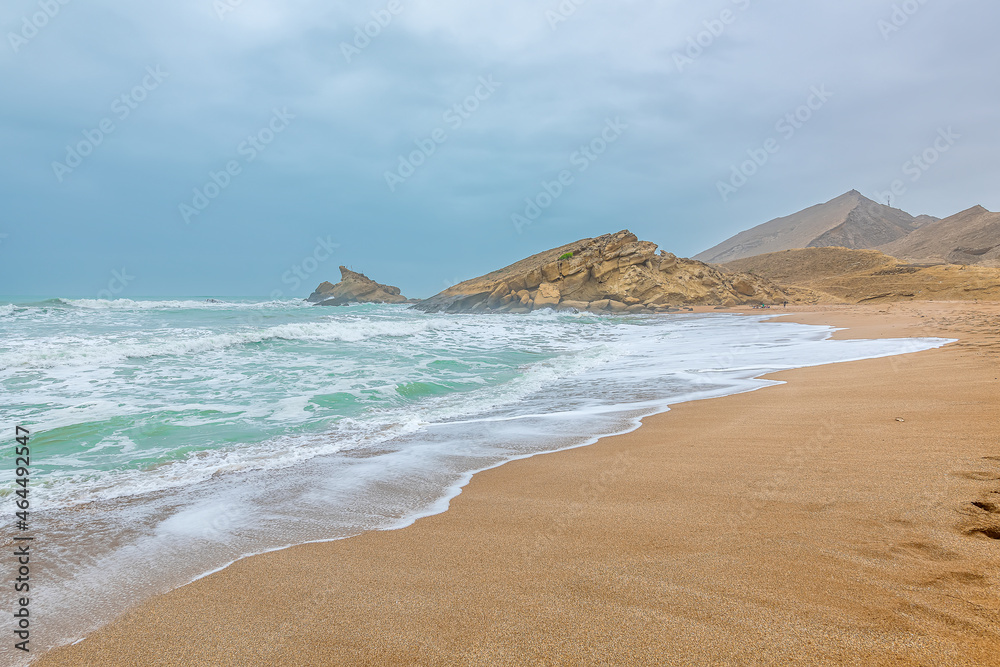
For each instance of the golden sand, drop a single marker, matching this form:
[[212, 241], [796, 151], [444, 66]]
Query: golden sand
[[829, 520]]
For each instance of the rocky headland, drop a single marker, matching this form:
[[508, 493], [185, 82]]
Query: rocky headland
[[613, 273]]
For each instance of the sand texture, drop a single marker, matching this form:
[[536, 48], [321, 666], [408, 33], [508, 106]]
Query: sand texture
[[802, 524]]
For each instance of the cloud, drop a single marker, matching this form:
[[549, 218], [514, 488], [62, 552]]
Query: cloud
[[561, 80]]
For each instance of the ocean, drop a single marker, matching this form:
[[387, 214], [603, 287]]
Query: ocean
[[171, 437]]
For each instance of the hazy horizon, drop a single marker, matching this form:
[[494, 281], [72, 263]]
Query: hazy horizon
[[292, 276]]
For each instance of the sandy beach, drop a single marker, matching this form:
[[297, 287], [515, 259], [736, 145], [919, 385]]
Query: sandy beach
[[848, 516]]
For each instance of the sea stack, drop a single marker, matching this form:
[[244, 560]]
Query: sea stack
[[355, 288]]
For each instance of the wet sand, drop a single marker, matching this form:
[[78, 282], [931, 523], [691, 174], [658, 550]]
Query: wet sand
[[849, 516]]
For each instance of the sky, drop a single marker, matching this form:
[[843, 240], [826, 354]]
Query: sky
[[250, 147]]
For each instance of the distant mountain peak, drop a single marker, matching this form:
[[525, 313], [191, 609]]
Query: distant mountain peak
[[850, 221]]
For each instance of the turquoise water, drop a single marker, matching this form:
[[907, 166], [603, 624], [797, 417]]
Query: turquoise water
[[173, 436], [129, 397]]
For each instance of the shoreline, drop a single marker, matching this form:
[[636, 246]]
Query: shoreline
[[224, 595]]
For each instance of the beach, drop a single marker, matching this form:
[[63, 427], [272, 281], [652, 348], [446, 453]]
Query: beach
[[827, 520]]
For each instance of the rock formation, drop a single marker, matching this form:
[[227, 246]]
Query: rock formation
[[613, 273], [355, 288]]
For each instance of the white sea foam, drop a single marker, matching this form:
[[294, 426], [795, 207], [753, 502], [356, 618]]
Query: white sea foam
[[288, 451], [81, 351], [635, 368], [186, 304]]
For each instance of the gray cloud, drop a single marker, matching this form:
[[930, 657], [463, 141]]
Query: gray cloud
[[325, 175]]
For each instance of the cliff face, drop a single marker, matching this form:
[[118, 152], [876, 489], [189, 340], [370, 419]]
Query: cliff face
[[610, 273], [355, 288]]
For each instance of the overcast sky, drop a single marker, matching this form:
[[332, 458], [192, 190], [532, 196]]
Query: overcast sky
[[247, 139]]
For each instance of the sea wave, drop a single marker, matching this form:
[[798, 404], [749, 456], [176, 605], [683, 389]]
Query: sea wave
[[281, 452], [67, 351], [185, 304]]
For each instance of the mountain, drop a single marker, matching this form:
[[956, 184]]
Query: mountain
[[969, 237], [849, 221], [869, 276], [610, 273], [355, 288]]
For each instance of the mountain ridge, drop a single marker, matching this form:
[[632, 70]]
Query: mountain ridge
[[971, 236], [850, 221]]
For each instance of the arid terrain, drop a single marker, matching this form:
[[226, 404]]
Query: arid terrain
[[839, 275]]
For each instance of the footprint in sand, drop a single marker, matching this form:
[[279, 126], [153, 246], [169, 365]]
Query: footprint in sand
[[988, 506], [992, 532], [979, 475], [964, 578], [984, 512], [926, 551]]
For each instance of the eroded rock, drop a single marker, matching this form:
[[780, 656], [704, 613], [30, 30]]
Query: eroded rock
[[612, 273], [355, 288]]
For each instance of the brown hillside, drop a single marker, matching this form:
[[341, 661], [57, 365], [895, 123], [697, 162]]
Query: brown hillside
[[969, 237], [851, 221], [855, 276]]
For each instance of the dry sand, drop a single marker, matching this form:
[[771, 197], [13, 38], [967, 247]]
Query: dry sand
[[800, 524]]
